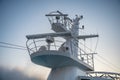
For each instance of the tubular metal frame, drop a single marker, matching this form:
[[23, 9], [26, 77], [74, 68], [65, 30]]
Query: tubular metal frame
[[108, 75]]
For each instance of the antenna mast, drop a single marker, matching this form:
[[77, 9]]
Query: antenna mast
[[66, 61]]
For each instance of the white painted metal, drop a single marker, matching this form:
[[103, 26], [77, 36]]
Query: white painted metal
[[107, 75], [64, 61], [66, 73], [59, 34], [70, 72], [56, 59]]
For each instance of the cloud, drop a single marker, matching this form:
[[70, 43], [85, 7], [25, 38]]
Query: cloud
[[14, 74]]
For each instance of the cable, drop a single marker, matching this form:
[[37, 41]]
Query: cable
[[15, 46], [12, 47], [12, 44], [96, 44], [108, 61], [24, 48], [84, 45], [105, 62], [109, 66], [88, 47]]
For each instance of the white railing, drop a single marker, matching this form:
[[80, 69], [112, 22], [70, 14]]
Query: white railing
[[40, 44], [107, 75], [86, 57], [35, 45]]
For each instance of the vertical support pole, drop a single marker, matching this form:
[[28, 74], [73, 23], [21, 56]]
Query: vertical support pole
[[48, 46], [87, 59], [35, 44], [84, 46], [28, 47], [93, 61], [75, 33], [71, 47], [80, 52], [55, 46]]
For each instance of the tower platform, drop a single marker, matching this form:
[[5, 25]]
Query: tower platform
[[56, 59]]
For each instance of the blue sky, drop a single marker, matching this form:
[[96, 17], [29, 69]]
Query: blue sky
[[21, 17]]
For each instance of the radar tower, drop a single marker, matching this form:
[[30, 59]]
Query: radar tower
[[65, 60]]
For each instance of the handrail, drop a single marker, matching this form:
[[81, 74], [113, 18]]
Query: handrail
[[35, 41], [112, 75], [33, 46], [84, 54]]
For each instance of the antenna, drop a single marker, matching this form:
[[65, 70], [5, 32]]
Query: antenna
[[66, 59]]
